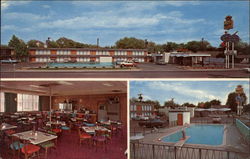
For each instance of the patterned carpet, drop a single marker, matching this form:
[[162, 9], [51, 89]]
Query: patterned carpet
[[68, 147]]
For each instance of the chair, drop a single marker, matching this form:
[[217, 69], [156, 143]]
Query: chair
[[83, 136], [15, 145], [100, 138], [47, 145], [29, 149]]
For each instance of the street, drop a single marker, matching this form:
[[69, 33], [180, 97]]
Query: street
[[128, 74]]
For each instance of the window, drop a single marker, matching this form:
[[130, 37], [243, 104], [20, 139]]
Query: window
[[2, 102], [26, 102]]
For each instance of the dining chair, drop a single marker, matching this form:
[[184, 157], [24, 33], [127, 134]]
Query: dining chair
[[15, 145], [100, 138], [83, 136], [48, 145], [29, 149]]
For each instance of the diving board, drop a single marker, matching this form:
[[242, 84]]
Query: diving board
[[181, 142]]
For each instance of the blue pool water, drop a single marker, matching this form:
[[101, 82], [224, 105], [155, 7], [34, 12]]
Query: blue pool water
[[81, 65], [199, 134]]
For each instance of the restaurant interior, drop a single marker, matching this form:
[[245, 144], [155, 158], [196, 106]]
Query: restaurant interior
[[63, 119]]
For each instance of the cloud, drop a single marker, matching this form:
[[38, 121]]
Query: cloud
[[46, 6], [183, 89], [25, 16], [6, 4]]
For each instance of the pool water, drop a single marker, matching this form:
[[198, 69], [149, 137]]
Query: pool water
[[199, 134], [81, 65]]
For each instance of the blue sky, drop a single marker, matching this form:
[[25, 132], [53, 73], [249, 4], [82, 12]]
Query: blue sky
[[186, 91], [158, 21]]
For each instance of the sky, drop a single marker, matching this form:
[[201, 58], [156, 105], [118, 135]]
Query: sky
[[157, 21], [186, 91]]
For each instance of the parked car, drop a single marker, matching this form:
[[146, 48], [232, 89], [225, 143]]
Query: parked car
[[9, 61], [136, 61], [158, 123], [118, 62], [140, 118], [128, 64], [161, 62]]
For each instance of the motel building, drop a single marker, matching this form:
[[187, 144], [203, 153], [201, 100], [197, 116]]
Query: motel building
[[141, 110], [44, 55]]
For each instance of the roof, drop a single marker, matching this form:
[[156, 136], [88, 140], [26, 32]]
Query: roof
[[88, 49], [189, 55]]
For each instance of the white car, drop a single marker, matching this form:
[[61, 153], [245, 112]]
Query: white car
[[127, 64]]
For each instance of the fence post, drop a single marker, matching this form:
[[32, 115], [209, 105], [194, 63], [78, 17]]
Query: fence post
[[134, 150], [200, 153], [153, 151], [175, 155], [228, 154]]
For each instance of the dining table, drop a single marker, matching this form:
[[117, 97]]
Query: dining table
[[6, 126], [35, 137], [56, 123], [92, 129]]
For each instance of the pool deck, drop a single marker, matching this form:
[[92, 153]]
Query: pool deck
[[232, 139]]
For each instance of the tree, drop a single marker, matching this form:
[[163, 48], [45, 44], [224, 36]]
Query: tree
[[198, 46], [215, 102], [35, 44], [171, 104], [242, 47], [188, 105], [20, 48], [52, 44], [231, 100], [130, 43], [170, 46]]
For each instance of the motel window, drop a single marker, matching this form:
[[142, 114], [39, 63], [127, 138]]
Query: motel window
[[26, 102], [2, 103]]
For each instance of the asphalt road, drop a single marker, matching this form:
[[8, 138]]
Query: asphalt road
[[129, 74]]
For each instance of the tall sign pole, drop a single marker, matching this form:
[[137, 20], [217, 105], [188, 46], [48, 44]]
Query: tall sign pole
[[229, 41], [239, 99]]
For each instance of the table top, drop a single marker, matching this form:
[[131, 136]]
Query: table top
[[6, 126], [92, 130], [56, 123], [35, 138], [109, 122]]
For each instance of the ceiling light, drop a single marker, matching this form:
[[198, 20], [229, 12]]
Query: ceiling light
[[107, 84]]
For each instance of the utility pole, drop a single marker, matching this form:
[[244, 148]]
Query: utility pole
[[97, 42]]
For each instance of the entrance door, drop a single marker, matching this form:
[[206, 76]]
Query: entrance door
[[180, 119], [139, 110]]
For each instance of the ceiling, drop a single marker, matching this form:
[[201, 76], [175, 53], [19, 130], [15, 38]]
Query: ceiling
[[62, 88]]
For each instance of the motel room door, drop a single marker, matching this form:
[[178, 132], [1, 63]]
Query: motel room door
[[179, 119]]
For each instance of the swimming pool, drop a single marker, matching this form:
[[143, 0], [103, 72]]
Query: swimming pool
[[199, 134], [80, 65]]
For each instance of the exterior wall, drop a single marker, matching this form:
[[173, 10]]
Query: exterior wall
[[173, 117], [85, 55], [191, 110], [141, 109], [186, 118], [92, 102]]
